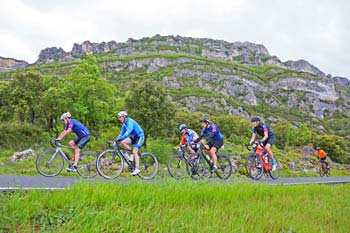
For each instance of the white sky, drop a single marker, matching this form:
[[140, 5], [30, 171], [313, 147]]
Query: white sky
[[315, 30]]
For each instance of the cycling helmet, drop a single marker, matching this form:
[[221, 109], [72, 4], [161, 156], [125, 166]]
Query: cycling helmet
[[65, 116], [205, 119], [122, 114], [182, 126], [318, 148], [255, 118]]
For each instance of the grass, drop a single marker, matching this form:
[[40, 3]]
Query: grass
[[178, 207]]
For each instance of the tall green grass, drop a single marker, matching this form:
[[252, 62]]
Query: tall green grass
[[178, 207]]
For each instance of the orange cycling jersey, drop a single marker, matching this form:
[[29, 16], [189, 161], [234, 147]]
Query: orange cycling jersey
[[321, 154], [183, 140]]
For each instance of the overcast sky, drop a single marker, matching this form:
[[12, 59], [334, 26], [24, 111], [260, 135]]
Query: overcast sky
[[315, 30]]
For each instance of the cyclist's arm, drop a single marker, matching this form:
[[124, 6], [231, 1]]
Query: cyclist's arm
[[64, 133], [252, 138], [182, 141], [200, 137], [122, 132]]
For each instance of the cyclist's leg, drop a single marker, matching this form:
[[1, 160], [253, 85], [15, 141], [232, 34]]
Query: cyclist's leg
[[77, 145], [268, 145], [137, 145], [126, 142], [214, 147]]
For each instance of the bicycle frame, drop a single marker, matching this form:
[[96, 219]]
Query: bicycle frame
[[259, 150], [117, 149], [58, 149]]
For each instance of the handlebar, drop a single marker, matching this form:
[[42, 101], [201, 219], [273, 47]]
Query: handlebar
[[254, 144]]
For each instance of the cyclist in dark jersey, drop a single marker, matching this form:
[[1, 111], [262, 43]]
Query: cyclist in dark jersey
[[131, 133], [268, 137], [215, 140], [83, 137]]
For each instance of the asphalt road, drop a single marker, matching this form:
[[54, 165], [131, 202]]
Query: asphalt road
[[11, 183]]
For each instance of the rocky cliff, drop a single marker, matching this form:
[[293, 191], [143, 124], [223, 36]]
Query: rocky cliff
[[11, 64], [237, 52]]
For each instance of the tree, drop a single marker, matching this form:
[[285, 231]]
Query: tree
[[149, 105], [334, 146], [85, 94], [26, 92], [281, 130]]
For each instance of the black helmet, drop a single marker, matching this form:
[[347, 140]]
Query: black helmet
[[205, 119], [255, 118]]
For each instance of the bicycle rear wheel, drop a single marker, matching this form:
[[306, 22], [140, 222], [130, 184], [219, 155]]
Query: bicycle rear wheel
[[254, 167], [324, 170], [276, 173], [177, 167], [197, 168], [224, 167], [49, 163], [109, 167], [148, 166], [87, 165]]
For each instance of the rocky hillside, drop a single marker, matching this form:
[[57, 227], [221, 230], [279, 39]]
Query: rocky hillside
[[239, 78], [11, 64]]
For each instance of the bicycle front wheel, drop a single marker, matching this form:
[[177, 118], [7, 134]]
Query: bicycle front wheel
[[87, 164], [49, 163], [109, 165], [254, 167], [177, 167], [276, 173], [148, 166], [224, 167]]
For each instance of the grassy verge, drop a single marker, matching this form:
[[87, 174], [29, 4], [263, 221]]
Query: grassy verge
[[178, 207]]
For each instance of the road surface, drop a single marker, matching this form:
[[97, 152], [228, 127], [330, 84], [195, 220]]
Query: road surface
[[11, 182]]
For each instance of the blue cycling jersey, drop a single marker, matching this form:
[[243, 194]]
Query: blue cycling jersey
[[261, 129], [213, 132], [130, 128], [78, 128], [190, 135]]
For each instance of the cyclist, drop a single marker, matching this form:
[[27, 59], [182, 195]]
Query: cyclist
[[215, 140], [188, 135], [321, 155], [131, 133], [83, 137], [263, 130]]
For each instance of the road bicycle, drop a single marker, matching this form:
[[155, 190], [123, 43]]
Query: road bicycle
[[176, 166], [324, 168], [111, 162], [199, 165], [51, 162], [258, 163]]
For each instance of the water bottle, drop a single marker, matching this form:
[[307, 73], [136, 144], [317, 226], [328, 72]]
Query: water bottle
[[266, 157], [131, 157], [207, 157], [126, 155]]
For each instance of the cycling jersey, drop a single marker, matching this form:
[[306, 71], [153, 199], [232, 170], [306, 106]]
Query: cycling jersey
[[130, 128], [188, 137], [321, 154], [261, 129], [78, 128], [213, 132]]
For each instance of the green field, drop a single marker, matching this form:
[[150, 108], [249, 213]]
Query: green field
[[178, 207]]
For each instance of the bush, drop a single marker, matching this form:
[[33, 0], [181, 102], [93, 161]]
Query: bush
[[19, 135]]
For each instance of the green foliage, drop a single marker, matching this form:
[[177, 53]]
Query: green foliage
[[334, 146], [19, 135], [281, 130], [149, 105], [299, 136]]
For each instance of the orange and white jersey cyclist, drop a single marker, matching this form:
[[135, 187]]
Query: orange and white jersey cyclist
[[188, 136], [321, 154]]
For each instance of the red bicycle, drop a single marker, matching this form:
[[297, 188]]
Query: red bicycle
[[258, 163]]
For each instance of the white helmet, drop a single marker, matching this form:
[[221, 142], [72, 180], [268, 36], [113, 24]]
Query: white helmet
[[65, 116], [122, 114]]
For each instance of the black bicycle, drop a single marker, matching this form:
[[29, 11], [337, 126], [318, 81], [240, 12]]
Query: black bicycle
[[177, 167], [199, 165], [51, 162], [324, 168], [111, 162]]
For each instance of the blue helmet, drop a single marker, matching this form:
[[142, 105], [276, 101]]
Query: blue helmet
[[205, 119]]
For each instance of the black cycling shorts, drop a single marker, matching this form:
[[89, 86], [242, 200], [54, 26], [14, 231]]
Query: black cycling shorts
[[216, 143]]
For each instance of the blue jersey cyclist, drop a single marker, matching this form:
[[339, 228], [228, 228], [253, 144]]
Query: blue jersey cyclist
[[83, 136], [131, 133], [188, 136], [215, 140], [268, 137]]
